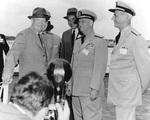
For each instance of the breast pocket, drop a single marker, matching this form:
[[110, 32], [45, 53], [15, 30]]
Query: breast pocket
[[88, 55]]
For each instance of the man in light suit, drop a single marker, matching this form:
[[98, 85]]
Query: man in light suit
[[32, 52], [89, 66], [48, 36], [129, 74]]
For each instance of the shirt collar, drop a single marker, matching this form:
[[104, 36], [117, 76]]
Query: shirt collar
[[124, 30]]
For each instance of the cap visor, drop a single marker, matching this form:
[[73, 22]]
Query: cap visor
[[112, 10], [39, 16], [29, 17], [66, 17], [116, 9]]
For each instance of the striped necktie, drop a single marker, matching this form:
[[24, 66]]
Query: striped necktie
[[39, 35]]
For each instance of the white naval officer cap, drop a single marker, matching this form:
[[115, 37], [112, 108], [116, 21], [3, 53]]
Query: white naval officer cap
[[121, 6], [86, 14]]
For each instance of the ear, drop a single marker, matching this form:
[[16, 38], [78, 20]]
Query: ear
[[91, 22]]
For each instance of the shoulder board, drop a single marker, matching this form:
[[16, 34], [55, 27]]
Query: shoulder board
[[135, 33], [99, 36]]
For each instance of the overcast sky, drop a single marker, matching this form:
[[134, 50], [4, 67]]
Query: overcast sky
[[13, 15]]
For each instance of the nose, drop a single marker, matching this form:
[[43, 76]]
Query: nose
[[43, 23], [112, 18]]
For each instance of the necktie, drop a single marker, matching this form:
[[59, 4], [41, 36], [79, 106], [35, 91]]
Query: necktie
[[42, 43], [40, 40], [117, 38], [82, 39], [73, 37]]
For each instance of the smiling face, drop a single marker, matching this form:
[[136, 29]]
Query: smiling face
[[85, 24], [71, 21], [39, 24]]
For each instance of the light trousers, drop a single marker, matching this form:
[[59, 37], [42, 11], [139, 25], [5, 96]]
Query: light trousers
[[125, 113], [85, 109]]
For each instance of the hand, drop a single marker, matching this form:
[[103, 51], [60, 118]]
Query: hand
[[63, 112], [93, 94], [7, 79], [68, 90]]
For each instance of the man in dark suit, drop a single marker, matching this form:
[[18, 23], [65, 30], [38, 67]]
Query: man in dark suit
[[67, 43], [69, 35], [3, 47]]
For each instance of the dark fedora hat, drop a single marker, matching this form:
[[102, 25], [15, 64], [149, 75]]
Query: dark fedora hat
[[39, 13], [71, 11]]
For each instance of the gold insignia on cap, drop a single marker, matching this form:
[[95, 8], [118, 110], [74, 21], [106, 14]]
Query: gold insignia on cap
[[79, 14], [86, 14]]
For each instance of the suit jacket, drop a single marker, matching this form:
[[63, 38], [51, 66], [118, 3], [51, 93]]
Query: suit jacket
[[9, 112], [3, 47], [89, 65], [28, 49], [52, 41], [129, 70], [66, 45]]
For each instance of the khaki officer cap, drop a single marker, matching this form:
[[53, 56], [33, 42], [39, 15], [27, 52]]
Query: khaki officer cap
[[121, 6], [86, 14]]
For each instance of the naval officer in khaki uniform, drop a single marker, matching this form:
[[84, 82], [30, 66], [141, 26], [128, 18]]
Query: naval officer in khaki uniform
[[130, 65], [89, 66]]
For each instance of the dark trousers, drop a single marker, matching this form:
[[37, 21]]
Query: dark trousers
[[69, 99]]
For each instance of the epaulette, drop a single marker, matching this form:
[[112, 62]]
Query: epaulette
[[99, 36], [135, 32]]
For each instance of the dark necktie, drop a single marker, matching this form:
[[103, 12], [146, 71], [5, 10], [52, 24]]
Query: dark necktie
[[72, 38], [82, 39], [117, 38], [41, 40]]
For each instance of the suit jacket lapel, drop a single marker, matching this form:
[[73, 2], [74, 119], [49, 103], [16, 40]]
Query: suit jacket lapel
[[87, 40], [69, 38], [122, 40], [84, 44], [36, 38], [44, 38]]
